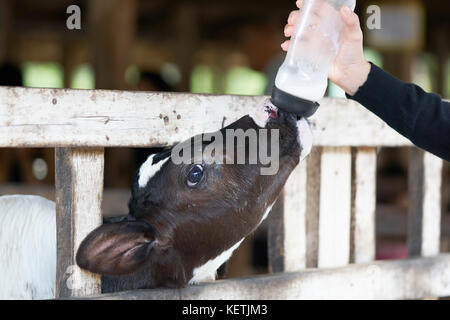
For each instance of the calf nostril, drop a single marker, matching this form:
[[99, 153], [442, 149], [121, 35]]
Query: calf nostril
[[273, 114]]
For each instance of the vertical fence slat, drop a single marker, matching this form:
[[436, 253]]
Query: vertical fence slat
[[313, 208], [335, 207], [363, 205], [79, 190], [424, 213], [295, 219], [287, 239], [275, 237]]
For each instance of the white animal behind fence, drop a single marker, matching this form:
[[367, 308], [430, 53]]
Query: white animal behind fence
[[27, 247]]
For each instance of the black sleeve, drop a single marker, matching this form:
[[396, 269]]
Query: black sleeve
[[421, 117]]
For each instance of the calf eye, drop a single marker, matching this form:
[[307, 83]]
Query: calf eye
[[195, 175]]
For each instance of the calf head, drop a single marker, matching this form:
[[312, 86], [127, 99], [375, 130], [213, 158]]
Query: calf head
[[186, 219]]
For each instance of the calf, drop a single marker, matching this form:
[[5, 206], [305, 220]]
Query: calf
[[185, 220]]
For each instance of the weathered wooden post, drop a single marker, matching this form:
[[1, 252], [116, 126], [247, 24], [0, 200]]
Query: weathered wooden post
[[424, 214], [335, 207], [79, 193], [364, 181], [286, 234]]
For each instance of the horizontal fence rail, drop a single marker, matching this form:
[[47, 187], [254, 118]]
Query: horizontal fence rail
[[408, 279], [96, 118]]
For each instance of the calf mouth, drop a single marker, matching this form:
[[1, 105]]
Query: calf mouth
[[269, 116]]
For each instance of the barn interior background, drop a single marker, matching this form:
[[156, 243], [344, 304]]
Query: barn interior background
[[215, 46]]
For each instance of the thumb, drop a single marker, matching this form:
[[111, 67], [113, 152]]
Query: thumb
[[352, 28]]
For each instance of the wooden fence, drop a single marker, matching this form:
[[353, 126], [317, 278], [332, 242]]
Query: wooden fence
[[321, 232]]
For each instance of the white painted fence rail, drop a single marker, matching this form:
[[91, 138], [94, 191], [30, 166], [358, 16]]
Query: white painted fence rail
[[97, 118], [410, 279], [325, 217]]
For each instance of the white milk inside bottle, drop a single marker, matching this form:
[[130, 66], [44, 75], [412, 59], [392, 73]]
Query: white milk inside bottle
[[303, 78]]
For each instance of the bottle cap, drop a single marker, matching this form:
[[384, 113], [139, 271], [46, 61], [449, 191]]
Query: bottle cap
[[289, 103]]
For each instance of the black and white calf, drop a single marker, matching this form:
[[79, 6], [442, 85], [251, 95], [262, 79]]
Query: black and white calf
[[184, 221]]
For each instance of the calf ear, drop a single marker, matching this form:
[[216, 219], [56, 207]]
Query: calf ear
[[117, 248]]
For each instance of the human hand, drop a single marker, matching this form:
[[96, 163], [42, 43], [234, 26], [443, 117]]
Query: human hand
[[350, 68]]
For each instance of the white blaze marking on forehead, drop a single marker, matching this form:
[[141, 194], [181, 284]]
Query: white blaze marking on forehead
[[260, 115], [305, 137], [148, 170]]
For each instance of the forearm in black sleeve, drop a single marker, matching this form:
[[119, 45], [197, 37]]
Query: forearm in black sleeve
[[421, 117]]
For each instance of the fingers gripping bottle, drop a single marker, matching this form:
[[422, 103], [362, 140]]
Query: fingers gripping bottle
[[303, 77]]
